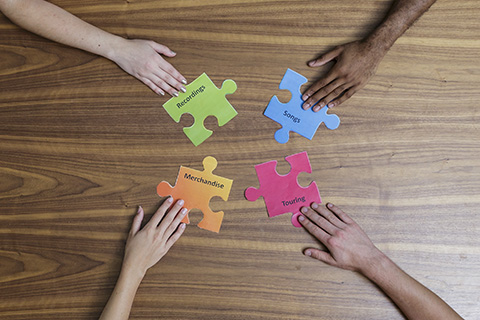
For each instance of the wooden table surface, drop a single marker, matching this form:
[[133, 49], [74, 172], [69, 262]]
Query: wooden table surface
[[82, 143]]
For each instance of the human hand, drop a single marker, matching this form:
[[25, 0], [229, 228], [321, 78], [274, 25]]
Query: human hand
[[142, 59], [147, 246], [355, 63], [349, 246]]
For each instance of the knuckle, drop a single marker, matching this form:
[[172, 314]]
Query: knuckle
[[321, 83], [149, 65], [332, 242], [341, 234], [350, 77], [338, 91], [343, 71]]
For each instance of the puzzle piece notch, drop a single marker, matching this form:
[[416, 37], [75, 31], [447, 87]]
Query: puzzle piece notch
[[201, 100], [282, 193], [292, 116], [196, 188]]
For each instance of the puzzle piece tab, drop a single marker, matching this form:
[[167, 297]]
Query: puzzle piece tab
[[283, 194], [292, 116], [201, 100], [196, 188]]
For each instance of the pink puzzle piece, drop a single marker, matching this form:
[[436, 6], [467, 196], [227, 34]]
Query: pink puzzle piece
[[283, 194]]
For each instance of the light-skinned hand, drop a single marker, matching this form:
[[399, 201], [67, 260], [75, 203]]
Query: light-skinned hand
[[143, 60], [348, 245], [355, 63], [145, 247]]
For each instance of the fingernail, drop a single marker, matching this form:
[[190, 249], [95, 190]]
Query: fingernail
[[306, 105], [172, 52], [175, 94], [162, 93], [316, 108], [330, 105], [184, 81], [330, 205], [139, 209], [169, 199], [180, 202], [183, 211], [308, 253], [314, 205], [301, 218], [182, 226], [183, 89], [305, 97], [304, 210]]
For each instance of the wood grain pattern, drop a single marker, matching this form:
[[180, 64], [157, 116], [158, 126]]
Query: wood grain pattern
[[82, 144]]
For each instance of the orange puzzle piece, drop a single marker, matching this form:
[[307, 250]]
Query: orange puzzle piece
[[196, 188]]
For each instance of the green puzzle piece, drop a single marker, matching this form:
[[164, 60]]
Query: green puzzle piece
[[201, 100]]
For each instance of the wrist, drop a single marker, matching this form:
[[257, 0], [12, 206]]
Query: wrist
[[133, 275], [377, 44], [375, 265], [114, 48]]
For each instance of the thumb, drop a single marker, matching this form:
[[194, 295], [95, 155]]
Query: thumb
[[160, 48], [137, 221], [327, 57], [320, 255]]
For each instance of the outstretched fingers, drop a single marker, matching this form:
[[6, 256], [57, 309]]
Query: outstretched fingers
[[318, 90], [170, 216], [312, 227], [319, 220], [172, 222], [178, 231]]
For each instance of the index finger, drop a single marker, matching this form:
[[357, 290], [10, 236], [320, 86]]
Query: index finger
[[340, 214]]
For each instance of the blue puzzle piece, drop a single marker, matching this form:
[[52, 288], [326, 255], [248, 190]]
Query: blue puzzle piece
[[292, 116]]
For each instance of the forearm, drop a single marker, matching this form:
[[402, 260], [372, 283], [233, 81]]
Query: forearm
[[120, 303], [411, 297], [400, 17], [54, 23]]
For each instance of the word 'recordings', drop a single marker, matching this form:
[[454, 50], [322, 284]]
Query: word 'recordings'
[[190, 97]]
